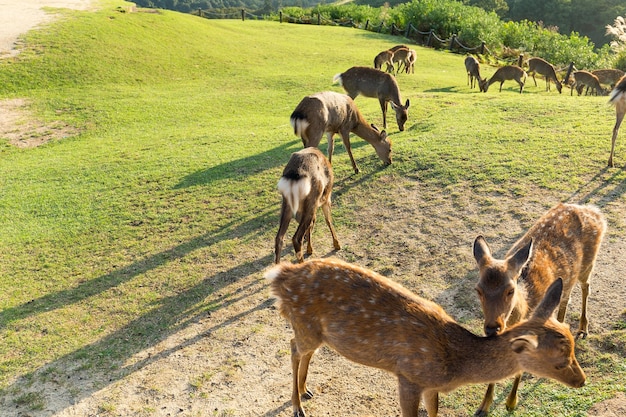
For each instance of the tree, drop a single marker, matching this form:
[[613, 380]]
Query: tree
[[500, 7]]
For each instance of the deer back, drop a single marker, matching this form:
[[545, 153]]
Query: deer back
[[585, 78], [563, 243], [384, 57], [608, 76]]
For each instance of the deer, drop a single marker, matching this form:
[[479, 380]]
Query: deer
[[585, 78], [330, 112], [472, 67], [401, 56], [562, 244], [502, 74], [371, 82], [371, 320], [605, 76], [410, 63], [543, 67], [305, 186], [384, 58], [618, 99]]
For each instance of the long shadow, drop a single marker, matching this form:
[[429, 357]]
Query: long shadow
[[52, 301], [581, 196]]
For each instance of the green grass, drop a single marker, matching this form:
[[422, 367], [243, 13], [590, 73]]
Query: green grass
[[107, 238]]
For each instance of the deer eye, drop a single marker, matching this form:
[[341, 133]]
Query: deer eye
[[560, 367], [510, 292]]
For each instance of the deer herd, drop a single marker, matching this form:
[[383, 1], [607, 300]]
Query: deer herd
[[371, 320]]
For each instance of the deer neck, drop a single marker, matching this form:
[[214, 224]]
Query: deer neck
[[476, 359], [366, 132]]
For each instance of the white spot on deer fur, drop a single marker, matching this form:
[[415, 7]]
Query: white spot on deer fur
[[294, 298], [273, 272]]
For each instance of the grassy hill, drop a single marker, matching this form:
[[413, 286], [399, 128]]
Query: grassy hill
[[162, 208]]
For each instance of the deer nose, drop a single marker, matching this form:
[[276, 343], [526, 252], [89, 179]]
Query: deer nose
[[492, 330]]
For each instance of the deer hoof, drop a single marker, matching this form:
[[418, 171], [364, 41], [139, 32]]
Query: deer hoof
[[307, 395], [480, 413], [581, 334]]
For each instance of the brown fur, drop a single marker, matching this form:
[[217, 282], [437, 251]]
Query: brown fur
[[371, 82], [563, 243], [502, 74], [472, 67], [374, 321], [306, 185], [329, 112], [543, 67], [384, 58], [585, 78]]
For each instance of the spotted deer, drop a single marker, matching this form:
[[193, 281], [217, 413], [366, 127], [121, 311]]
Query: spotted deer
[[371, 82], [608, 76], [305, 186], [563, 243], [618, 99], [472, 67], [502, 74], [329, 112], [543, 67], [374, 321]]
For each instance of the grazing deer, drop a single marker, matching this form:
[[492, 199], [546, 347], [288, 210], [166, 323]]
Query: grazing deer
[[401, 56], [608, 76], [618, 99], [306, 185], [585, 78], [508, 72], [563, 243], [472, 67], [329, 112], [374, 321], [384, 58], [543, 67], [410, 68], [371, 82]]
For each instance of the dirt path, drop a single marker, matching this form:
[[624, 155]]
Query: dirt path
[[18, 17]]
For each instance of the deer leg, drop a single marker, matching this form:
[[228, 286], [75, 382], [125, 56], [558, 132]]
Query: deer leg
[[299, 369], [303, 227], [285, 218], [409, 397], [331, 146], [501, 86], [534, 79], [329, 222], [511, 401], [309, 245], [346, 144], [618, 121], [521, 86], [583, 327], [431, 401], [483, 410], [383, 107]]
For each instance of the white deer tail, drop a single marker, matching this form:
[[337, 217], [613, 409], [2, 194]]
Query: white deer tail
[[337, 79], [299, 125], [617, 94], [294, 191]]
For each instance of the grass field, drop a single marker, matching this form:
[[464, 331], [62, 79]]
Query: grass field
[[162, 207]]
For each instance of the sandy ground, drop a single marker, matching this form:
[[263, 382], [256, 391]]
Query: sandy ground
[[19, 16]]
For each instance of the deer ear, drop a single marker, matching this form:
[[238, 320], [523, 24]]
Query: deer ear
[[528, 342], [393, 105], [374, 127], [407, 104], [520, 258], [550, 301], [481, 249]]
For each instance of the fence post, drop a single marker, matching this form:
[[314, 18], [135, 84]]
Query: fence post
[[393, 29], [520, 60], [367, 23], [199, 12], [380, 28], [569, 71], [452, 39], [482, 47], [319, 19], [242, 14], [430, 35], [408, 30]]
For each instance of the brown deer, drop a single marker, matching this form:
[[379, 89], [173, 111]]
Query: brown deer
[[608, 76], [618, 99], [374, 321], [384, 58], [508, 72], [330, 112], [585, 78], [306, 185], [543, 67], [472, 67], [401, 56], [371, 82], [563, 243], [410, 64]]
